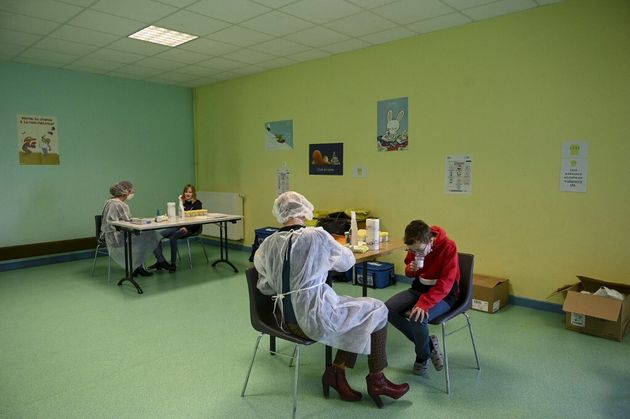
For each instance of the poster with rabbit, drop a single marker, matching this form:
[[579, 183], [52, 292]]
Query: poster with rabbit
[[392, 124], [37, 140], [279, 135]]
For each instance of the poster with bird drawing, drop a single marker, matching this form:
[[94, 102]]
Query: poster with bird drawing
[[279, 135], [37, 140], [392, 125]]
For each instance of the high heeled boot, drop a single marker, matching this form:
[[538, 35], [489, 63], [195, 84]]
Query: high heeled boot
[[335, 377], [378, 385]]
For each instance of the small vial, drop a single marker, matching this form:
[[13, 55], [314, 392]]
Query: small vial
[[420, 260]]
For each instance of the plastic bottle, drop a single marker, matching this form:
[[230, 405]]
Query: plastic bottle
[[170, 211], [354, 235], [181, 209]]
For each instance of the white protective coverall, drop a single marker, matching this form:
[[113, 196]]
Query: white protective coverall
[[338, 321], [141, 244]]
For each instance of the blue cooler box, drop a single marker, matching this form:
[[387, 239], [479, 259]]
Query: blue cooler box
[[261, 234], [380, 274]]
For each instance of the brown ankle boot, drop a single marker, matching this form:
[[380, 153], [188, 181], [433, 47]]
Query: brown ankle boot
[[335, 377], [378, 385]]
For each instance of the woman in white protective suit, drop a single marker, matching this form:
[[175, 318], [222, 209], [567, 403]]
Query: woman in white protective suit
[[116, 209], [293, 265]]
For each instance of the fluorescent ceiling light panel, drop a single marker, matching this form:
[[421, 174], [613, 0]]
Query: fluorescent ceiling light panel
[[162, 36]]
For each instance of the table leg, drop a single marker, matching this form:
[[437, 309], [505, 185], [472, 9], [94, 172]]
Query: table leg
[[223, 244], [365, 278], [129, 263]]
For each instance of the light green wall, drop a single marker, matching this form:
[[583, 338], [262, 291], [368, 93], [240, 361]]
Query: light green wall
[[508, 91], [109, 129]]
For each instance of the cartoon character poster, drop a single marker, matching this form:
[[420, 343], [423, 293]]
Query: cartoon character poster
[[325, 159], [392, 124], [37, 139], [279, 135]]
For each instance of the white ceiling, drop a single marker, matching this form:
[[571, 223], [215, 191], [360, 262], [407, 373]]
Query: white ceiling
[[236, 37]]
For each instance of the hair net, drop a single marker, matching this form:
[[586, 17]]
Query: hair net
[[291, 205], [124, 187]]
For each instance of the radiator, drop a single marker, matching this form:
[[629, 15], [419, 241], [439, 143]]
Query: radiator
[[225, 203]]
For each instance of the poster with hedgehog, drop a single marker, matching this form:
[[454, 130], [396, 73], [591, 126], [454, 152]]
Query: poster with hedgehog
[[37, 140]]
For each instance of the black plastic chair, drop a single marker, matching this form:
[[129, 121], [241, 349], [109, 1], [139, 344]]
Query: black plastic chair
[[101, 247], [262, 319], [461, 306]]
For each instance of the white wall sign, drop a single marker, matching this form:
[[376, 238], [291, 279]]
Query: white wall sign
[[458, 176], [574, 166], [282, 180]]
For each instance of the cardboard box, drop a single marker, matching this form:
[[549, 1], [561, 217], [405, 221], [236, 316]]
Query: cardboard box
[[489, 293], [594, 315]]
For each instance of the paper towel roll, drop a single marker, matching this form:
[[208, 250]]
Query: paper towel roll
[[373, 231], [171, 211]]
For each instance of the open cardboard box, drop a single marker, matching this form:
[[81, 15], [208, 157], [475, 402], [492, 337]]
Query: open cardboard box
[[594, 315], [490, 293]]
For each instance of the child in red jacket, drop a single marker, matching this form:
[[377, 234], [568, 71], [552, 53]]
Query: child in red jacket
[[432, 261]]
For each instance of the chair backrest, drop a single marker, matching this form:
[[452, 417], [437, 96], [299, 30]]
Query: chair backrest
[[466, 265], [464, 299], [261, 311], [98, 219]]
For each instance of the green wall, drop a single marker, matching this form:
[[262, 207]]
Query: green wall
[[109, 129], [508, 91]]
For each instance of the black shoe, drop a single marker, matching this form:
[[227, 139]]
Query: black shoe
[[157, 265], [142, 272], [172, 268]]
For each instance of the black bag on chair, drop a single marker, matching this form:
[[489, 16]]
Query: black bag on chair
[[336, 223]]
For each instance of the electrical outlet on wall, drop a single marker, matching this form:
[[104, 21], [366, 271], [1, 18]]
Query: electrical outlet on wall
[[359, 171]]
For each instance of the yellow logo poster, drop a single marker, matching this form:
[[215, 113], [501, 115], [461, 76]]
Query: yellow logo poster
[[37, 139]]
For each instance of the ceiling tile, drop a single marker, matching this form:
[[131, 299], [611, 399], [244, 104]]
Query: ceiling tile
[[345, 46], [87, 36], [138, 70], [177, 3], [466, 4], [233, 11], [203, 81], [121, 57], [388, 35], [361, 24], [125, 75], [66, 47], [96, 62], [499, 8], [141, 10], [188, 22], [279, 46], [56, 57], [321, 11], [18, 38], [228, 75], [208, 46], [370, 4], [277, 23], [36, 61], [317, 36], [10, 50], [249, 69], [407, 11], [237, 35], [84, 68], [441, 22], [277, 62], [198, 71], [26, 24], [137, 47], [82, 3], [91, 19], [182, 56], [274, 4], [248, 56], [220, 63], [158, 63], [546, 2], [43, 9], [311, 54], [172, 76]]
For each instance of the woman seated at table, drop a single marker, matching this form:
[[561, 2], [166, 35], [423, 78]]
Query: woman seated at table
[[190, 202], [116, 209], [293, 264]]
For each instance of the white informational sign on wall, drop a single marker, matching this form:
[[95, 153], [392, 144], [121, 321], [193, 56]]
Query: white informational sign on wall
[[458, 176], [574, 167]]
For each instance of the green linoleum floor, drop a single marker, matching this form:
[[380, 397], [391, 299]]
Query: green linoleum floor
[[74, 346]]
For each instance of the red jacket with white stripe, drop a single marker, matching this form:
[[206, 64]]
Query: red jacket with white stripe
[[439, 278]]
